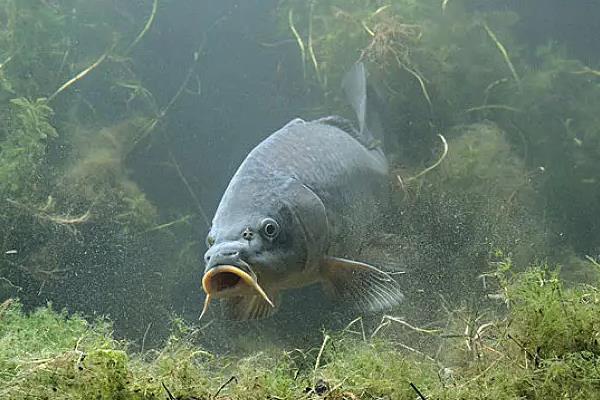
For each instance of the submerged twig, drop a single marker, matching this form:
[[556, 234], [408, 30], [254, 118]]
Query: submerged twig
[[365, 26], [298, 40], [182, 87], [362, 327], [185, 218], [444, 5], [325, 340], [380, 10], [382, 325], [504, 53], [428, 169], [63, 220], [534, 357], [144, 337], [146, 27], [190, 190], [422, 84], [491, 86], [3, 63], [169, 394], [223, 386], [492, 107], [587, 71], [593, 261], [9, 283], [414, 328], [412, 385], [82, 74], [311, 51], [419, 79], [404, 346], [163, 112], [278, 43], [57, 219]]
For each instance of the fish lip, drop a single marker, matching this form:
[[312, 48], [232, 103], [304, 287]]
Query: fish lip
[[226, 280], [245, 284]]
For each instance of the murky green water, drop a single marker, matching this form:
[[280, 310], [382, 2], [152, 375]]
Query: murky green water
[[122, 123]]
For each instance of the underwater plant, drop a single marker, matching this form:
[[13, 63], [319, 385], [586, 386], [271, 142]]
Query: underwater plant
[[517, 177], [78, 228], [543, 345], [440, 67]]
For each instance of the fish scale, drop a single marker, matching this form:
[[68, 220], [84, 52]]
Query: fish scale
[[302, 200]]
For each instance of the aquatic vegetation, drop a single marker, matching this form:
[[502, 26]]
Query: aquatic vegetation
[[23, 147], [431, 65], [441, 68], [76, 114], [545, 346], [453, 220], [81, 225]]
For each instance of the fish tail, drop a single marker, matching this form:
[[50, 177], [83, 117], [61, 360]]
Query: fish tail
[[365, 101]]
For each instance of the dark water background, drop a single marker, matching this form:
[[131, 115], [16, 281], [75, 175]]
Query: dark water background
[[251, 83]]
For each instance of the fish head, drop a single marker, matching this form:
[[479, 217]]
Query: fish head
[[262, 234], [256, 247]]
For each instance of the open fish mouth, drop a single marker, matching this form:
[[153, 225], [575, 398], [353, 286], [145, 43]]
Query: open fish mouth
[[217, 281], [223, 278]]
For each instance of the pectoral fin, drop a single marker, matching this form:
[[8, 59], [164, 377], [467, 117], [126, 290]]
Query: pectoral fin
[[244, 308], [364, 285]]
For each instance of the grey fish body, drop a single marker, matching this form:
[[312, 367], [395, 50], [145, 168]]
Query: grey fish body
[[345, 175], [299, 201]]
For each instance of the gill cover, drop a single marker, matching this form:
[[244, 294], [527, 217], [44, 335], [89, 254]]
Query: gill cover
[[310, 215]]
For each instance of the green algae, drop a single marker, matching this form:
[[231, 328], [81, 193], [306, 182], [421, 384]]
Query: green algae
[[518, 116], [442, 67], [74, 219], [543, 345], [521, 173], [22, 155]]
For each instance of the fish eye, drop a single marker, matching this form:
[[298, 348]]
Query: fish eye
[[210, 241], [270, 228]]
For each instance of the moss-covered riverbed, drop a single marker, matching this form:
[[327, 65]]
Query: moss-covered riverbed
[[545, 345]]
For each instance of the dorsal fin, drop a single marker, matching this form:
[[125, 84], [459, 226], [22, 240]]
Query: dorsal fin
[[344, 124]]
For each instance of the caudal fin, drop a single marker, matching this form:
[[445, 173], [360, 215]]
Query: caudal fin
[[356, 90], [355, 87]]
